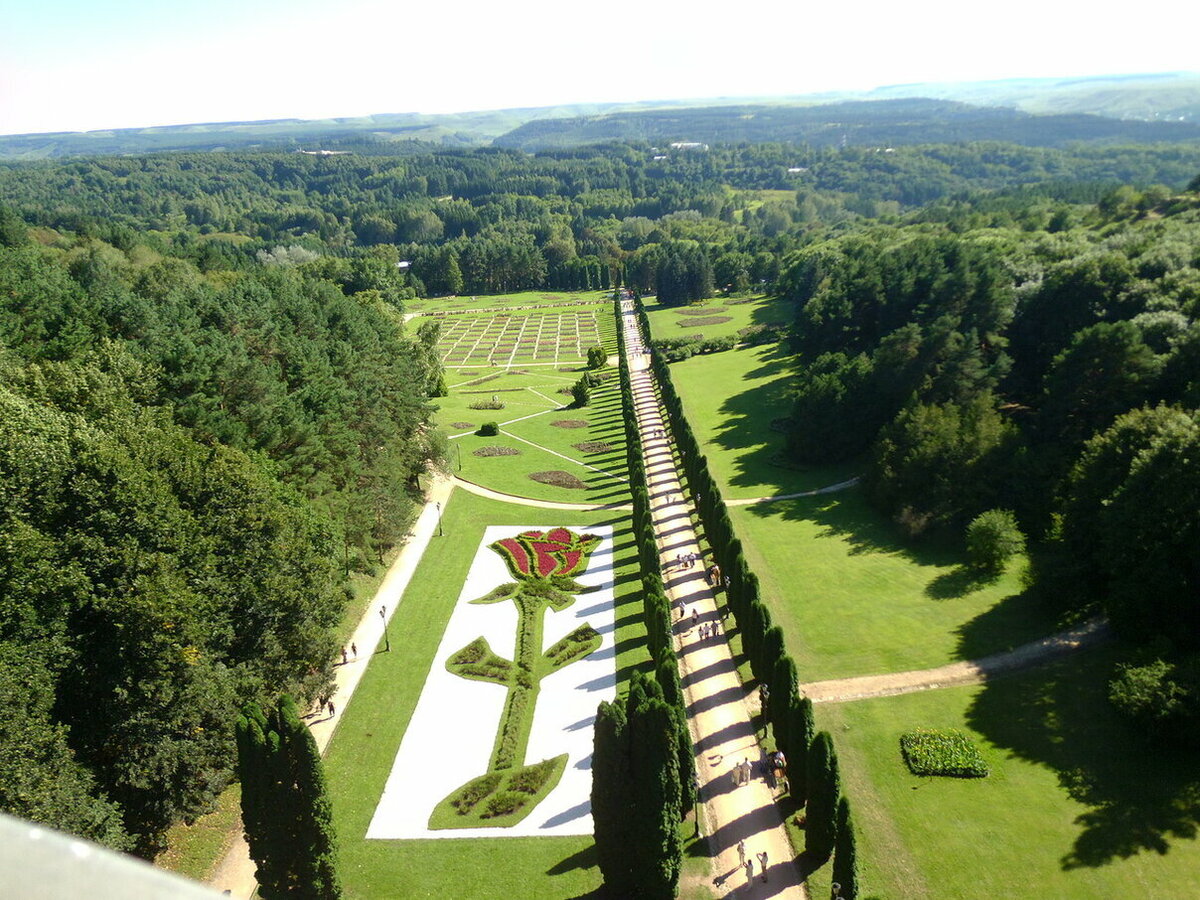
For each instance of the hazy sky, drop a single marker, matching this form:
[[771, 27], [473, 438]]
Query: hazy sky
[[73, 65]]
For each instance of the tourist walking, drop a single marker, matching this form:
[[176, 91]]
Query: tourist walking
[[354, 650], [762, 859], [741, 853]]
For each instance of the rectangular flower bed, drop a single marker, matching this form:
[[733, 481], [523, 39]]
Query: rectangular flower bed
[[942, 752]]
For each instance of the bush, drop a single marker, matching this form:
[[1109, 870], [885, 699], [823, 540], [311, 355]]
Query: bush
[[504, 803], [488, 429], [581, 391], [993, 538], [486, 404], [596, 357], [945, 752]]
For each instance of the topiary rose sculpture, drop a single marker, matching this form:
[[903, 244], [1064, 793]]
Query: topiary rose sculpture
[[543, 564]]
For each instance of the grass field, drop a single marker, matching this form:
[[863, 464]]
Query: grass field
[[731, 399], [527, 427], [1075, 805], [361, 753], [853, 599], [740, 312]]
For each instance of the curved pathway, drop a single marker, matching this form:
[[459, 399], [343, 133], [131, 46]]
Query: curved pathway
[[482, 491], [863, 687], [828, 489], [720, 712], [235, 872]]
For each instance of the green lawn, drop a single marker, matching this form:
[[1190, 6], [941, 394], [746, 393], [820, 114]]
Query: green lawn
[[854, 599], [741, 312], [361, 753], [601, 470], [1075, 806], [730, 399]]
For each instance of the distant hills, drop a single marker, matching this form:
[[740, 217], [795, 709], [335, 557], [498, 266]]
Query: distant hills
[[857, 122], [1038, 111]]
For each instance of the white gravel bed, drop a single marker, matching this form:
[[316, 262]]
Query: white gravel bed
[[450, 736]]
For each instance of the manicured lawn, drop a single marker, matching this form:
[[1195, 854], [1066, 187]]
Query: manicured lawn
[[679, 321], [361, 753], [731, 399], [1076, 806], [854, 599], [537, 439]]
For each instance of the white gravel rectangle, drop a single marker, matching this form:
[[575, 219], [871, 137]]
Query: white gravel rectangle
[[453, 728]]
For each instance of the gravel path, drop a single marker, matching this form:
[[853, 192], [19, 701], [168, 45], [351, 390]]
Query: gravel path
[[863, 687], [720, 712]]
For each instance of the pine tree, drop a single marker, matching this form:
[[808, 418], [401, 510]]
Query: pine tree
[[783, 698], [845, 856], [285, 805], [824, 787]]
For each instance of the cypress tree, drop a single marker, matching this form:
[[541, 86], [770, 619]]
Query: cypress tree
[[610, 797], [845, 854], [783, 698], [285, 805], [799, 738], [824, 787], [768, 654], [653, 823]]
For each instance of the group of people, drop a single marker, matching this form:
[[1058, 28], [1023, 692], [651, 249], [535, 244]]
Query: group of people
[[709, 630], [686, 560], [713, 576], [742, 773], [748, 864]]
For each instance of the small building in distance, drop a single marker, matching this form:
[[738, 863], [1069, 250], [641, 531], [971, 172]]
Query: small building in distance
[[688, 145]]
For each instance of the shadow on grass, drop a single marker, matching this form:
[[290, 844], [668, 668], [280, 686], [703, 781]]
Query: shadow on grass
[[959, 582], [1139, 796], [583, 859]]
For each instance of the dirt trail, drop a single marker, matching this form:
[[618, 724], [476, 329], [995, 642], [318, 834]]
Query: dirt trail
[[863, 687], [720, 713]]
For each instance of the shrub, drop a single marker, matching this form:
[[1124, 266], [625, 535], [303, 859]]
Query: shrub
[[486, 404], [596, 357], [581, 392], [504, 803], [944, 752], [474, 792], [993, 538], [488, 429]]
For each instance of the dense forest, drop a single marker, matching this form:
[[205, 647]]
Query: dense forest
[[213, 412], [189, 468]]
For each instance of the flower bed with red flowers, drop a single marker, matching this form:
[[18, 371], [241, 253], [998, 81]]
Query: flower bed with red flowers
[[558, 552]]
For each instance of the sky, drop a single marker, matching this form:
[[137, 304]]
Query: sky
[[79, 65]]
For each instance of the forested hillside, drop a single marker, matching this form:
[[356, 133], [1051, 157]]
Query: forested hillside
[[873, 123]]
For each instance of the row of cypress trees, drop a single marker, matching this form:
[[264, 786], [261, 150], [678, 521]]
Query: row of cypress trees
[[643, 767], [812, 760]]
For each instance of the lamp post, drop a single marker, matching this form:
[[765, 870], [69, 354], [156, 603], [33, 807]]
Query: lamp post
[[835, 891], [387, 643], [438, 504], [696, 781]]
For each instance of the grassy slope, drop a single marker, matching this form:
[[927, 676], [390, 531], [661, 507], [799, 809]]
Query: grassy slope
[[673, 322]]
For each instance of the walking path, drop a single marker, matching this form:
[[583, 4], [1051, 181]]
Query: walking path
[[840, 690], [828, 489], [482, 491], [720, 712], [235, 872]]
